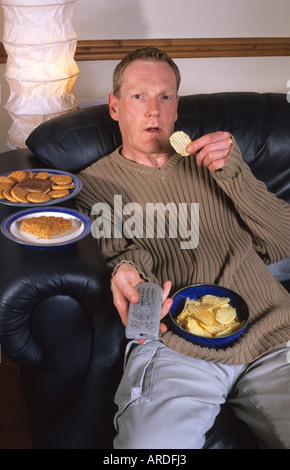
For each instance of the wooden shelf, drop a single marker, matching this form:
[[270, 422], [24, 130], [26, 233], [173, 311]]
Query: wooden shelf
[[185, 48], [115, 49]]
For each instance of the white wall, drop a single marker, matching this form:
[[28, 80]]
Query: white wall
[[188, 18], [107, 19], [117, 19]]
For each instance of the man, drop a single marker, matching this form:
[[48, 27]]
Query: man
[[172, 390]]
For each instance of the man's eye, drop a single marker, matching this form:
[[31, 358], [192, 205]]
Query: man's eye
[[165, 97], [137, 96]]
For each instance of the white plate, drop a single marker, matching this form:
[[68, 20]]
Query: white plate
[[81, 227], [73, 192]]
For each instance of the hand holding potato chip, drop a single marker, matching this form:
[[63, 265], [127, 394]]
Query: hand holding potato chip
[[212, 150]]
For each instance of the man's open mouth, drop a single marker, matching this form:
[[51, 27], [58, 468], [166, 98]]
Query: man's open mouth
[[153, 129]]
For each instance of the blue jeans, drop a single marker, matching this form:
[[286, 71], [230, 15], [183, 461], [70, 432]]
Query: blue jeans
[[169, 401]]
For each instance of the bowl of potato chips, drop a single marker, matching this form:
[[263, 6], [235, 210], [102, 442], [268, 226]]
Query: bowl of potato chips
[[209, 315]]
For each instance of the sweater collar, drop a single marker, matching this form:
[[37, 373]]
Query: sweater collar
[[134, 167]]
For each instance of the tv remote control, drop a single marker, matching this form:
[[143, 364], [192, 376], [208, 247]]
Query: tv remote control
[[144, 316]]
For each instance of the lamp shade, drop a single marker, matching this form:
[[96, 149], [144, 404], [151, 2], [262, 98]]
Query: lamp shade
[[41, 71]]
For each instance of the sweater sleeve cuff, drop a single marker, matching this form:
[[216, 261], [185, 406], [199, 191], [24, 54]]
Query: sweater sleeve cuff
[[233, 165], [142, 274]]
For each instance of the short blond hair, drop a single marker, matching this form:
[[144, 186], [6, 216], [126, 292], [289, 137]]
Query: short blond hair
[[146, 54]]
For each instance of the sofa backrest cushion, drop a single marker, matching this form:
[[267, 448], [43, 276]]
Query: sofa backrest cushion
[[260, 124], [74, 140]]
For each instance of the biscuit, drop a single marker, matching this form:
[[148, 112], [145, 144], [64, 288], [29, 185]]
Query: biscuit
[[61, 179], [5, 186], [35, 185], [62, 186], [43, 175], [18, 175], [58, 193], [29, 174], [7, 180], [8, 196], [19, 194], [37, 197]]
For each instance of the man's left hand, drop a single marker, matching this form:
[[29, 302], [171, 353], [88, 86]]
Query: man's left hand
[[212, 150]]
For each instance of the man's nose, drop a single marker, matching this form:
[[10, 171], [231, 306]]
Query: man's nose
[[153, 108]]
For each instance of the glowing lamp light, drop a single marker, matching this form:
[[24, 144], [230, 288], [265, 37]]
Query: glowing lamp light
[[40, 42]]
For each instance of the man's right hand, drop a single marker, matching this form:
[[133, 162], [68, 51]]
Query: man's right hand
[[123, 288]]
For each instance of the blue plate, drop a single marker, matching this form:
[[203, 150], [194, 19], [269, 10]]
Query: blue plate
[[198, 290], [73, 192], [10, 227]]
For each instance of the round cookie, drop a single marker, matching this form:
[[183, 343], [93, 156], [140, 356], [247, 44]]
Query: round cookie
[[8, 196], [62, 186], [55, 193], [18, 175], [61, 179], [19, 194], [37, 197], [5, 186], [29, 174], [43, 175], [7, 180]]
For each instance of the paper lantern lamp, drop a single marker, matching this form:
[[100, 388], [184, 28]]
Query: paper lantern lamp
[[40, 42]]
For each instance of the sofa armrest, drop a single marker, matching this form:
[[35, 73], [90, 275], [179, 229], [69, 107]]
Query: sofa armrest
[[58, 323], [29, 276]]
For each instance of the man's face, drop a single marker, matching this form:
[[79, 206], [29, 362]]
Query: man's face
[[146, 110]]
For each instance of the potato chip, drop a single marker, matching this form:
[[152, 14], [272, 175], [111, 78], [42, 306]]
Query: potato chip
[[225, 315], [204, 314], [230, 329], [187, 309], [214, 329], [179, 141], [194, 327], [209, 316], [214, 300]]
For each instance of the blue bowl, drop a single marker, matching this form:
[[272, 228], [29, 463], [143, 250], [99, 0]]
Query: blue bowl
[[198, 290]]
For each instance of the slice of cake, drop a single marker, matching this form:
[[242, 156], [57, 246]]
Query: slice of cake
[[46, 226]]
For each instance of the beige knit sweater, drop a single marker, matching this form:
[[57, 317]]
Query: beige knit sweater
[[242, 227]]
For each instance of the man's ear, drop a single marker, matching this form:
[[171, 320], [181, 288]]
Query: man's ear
[[113, 106], [176, 115]]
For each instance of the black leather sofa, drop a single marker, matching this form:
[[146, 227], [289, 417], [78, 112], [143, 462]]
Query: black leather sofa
[[57, 320]]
